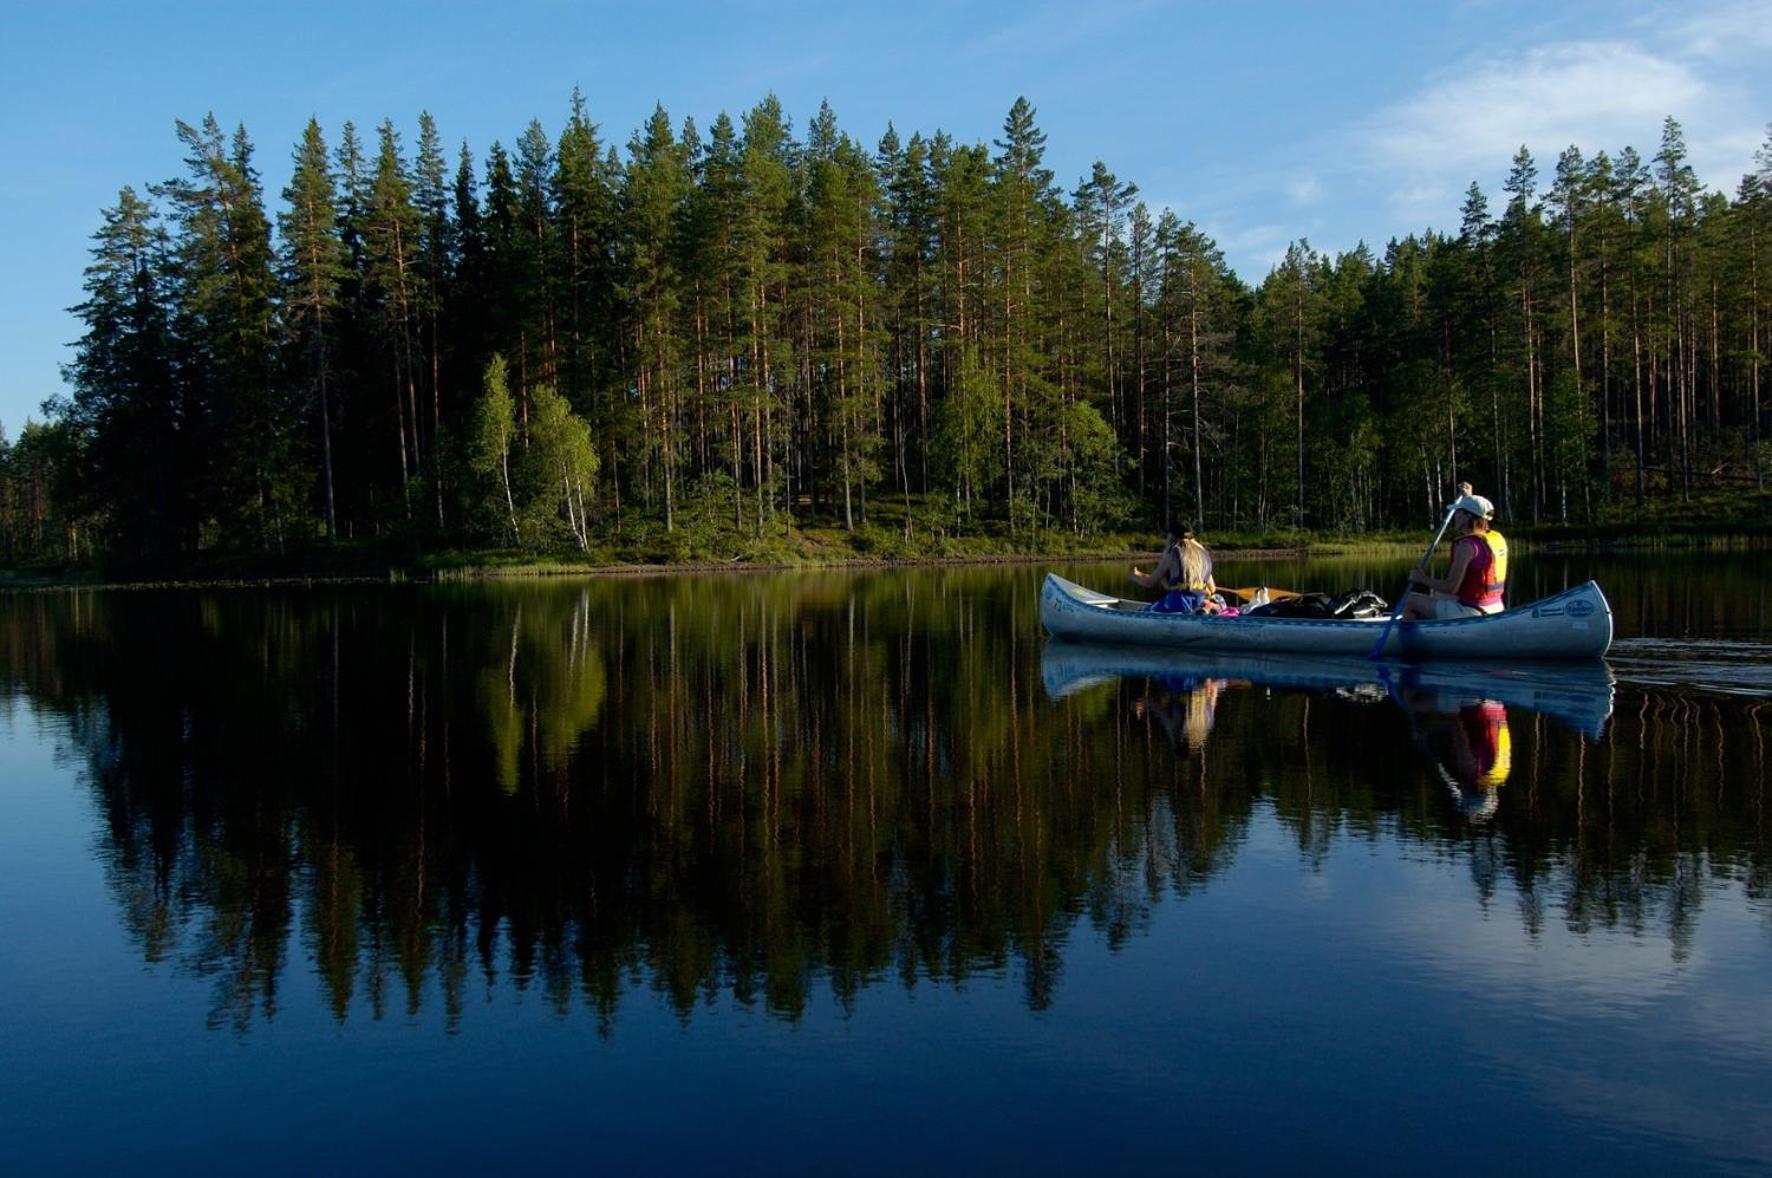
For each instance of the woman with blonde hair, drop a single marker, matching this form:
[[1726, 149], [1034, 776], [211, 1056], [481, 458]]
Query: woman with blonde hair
[[1184, 573]]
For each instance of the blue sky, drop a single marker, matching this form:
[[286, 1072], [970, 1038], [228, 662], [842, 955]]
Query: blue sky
[[1263, 122]]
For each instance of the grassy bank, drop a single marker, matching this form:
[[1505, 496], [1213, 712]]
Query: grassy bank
[[890, 538]]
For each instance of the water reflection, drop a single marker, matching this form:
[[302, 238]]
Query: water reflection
[[1461, 733], [1467, 741], [758, 786], [1185, 706]]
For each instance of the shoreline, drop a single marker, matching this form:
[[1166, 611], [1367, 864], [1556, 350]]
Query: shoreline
[[552, 570], [395, 560], [486, 566]]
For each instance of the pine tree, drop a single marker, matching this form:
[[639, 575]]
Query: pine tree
[[468, 281], [534, 171], [910, 290], [123, 415], [392, 230], [1756, 214], [1679, 192], [1022, 187], [1291, 301], [1479, 310], [1101, 203], [1568, 193], [1630, 190], [359, 467], [842, 313], [505, 275], [1191, 305], [1519, 240], [1599, 187], [653, 196], [435, 249], [313, 270], [584, 199], [223, 277], [767, 187]]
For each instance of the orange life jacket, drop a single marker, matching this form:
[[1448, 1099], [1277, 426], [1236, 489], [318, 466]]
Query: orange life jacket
[[1485, 577]]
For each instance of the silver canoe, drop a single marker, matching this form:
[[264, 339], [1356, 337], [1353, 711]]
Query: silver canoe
[[1574, 624], [1578, 693]]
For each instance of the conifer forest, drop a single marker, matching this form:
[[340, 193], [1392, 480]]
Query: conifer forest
[[717, 333]]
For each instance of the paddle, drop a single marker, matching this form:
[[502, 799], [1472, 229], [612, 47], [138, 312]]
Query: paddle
[[1251, 591], [1397, 610]]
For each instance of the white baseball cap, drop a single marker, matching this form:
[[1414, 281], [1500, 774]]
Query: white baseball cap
[[1475, 504]]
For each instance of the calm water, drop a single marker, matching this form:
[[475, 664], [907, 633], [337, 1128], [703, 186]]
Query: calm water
[[857, 871]]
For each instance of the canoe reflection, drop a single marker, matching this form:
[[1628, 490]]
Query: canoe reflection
[[1578, 695]]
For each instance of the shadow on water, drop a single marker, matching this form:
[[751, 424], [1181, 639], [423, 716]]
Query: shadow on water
[[754, 786]]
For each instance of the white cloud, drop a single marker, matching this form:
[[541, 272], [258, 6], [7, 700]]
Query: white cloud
[[1421, 202], [1405, 167], [1735, 29], [1305, 190], [1254, 249], [1595, 94]]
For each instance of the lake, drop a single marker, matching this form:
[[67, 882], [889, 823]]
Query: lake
[[855, 870]]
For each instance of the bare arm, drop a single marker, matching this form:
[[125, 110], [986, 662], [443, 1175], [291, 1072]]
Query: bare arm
[[1159, 576], [1461, 560]]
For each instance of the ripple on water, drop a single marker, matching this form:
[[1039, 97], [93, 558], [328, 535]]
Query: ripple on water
[[1732, 668]]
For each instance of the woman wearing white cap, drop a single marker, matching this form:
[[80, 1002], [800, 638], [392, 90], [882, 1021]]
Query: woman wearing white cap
[[1477, 580]]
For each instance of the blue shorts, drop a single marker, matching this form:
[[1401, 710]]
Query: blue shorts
[[1178, 601]]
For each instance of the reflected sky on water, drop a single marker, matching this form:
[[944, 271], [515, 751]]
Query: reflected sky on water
[[730, 872]]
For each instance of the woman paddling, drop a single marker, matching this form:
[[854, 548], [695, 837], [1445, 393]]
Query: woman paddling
[[1475, 583], [1184, 573]]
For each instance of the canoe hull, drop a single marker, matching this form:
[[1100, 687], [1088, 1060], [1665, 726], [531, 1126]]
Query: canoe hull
[[1574, 624]]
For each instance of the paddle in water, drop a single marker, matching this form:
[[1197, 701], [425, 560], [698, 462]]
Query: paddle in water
[[1385, 636]]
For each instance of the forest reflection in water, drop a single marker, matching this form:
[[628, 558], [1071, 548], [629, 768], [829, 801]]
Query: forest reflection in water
[[755, 786]]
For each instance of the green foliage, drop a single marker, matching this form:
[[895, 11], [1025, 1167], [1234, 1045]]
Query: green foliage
[[557, 471], [1098, 495], [750, 335], [490, 440], [969, 426], [45, 504]]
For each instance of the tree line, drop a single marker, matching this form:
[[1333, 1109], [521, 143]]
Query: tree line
[[746, 330]]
